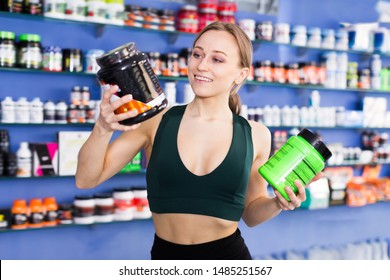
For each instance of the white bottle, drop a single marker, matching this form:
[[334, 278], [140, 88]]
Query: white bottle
[[286, 116], [8, 110], [61, 110], [189, 94], [24, 160], [49, 112], [170, 93], [315, 99], [36, 110], [22, 110]]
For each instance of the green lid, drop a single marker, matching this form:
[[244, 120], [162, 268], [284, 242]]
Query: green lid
[[30, 37], [115, 1], [7, 35]]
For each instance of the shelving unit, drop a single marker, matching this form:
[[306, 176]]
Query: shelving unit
[[133, 239]]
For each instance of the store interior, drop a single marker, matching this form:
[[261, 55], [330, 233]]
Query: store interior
[[344, 217]]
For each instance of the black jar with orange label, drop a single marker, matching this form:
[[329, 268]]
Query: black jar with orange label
[[130, 70]]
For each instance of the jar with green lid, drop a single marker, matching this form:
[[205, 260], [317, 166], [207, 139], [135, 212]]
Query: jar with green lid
[[29, 51], [7, 49]]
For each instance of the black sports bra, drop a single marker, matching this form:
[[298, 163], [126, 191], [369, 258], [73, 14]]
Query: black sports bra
[[172, 188]]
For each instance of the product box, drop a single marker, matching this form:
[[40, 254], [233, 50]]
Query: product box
[[338, 180], [69, 145], [134, 165], [44, 159], [317, 195]]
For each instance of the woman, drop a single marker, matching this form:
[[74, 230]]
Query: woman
[[202, 158]]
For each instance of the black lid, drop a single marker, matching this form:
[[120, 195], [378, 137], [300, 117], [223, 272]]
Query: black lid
[[117, 55], [83, 197], [138, 188], [103, 195], [324, 151], [316, 142], [123, 189]]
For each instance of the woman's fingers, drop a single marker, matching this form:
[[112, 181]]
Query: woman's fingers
[[295, 199]]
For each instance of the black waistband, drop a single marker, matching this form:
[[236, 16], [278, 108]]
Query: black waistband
[[231, 247]]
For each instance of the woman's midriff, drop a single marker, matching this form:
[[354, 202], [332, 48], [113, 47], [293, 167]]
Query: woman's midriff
[[189, 229]]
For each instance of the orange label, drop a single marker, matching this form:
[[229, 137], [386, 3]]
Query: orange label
[[134, 104]]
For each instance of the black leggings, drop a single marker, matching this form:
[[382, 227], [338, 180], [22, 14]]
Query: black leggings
[[231, 247]]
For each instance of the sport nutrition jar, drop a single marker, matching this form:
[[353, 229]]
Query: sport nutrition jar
[[130, 70], [301, 158]]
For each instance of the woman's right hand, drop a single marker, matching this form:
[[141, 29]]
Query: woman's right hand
[[108, 120]]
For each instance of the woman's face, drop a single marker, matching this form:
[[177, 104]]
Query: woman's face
[[213, 67]]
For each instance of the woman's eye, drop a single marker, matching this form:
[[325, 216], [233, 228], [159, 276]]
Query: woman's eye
[[217, 60], [196, 55]]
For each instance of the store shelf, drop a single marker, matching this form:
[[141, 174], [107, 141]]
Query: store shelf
[[39, 71], [314, 87], [358, 163], [185, 79], [326, 127], [258, 43], [5, 178], [47, 124], [100, 27], [60, 226]]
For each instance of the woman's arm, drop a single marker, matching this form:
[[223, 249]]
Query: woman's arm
[[99, 159], [259, 206]]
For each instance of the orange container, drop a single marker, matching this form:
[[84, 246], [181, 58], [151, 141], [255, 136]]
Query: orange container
[[19, 214], [51, 211], [36, 213]]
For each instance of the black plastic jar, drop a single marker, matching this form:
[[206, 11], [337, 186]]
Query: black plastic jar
[[130, 70], [30, 51], [7, 49]]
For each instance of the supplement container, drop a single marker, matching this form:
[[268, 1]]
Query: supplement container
[[51, 211], [104, 208], [130, 70], [84, 209], [36, 216], [141, 203], [19, 214], [7, 49], [301, 158], [124, 204], [29, 51]]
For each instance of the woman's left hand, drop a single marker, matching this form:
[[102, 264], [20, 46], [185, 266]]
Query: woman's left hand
[[295, 199]]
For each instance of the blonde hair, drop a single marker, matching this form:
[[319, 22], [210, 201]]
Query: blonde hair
[[245, 52]]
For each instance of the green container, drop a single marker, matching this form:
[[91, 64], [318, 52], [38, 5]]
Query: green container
[[301, 158]]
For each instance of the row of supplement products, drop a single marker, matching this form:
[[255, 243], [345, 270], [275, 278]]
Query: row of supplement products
[[120, 204], [81, 109]]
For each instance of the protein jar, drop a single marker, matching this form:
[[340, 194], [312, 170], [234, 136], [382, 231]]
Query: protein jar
[[130, 70], [301, 158]]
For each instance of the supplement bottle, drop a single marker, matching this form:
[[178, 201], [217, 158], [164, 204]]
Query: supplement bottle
[[36, 217], [51, 211], [104, 208], [22, 110], [36, 110], [30, 51], [8, 110], [19, 214], [124, 204], [301, 158], [84, 209], [7, 49], [130, 70], [24, 160], [49, 112], [61, 111]]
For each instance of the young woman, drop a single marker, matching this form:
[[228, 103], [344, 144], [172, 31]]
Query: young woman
[[202, 157]]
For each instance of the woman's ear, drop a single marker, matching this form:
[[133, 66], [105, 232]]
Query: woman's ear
[[244, 72]]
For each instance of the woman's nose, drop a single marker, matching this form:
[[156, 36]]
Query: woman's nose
[[203, 65]]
